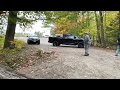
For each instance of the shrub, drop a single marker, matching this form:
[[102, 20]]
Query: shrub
[[1, 41], [11, 58], [18, 44]]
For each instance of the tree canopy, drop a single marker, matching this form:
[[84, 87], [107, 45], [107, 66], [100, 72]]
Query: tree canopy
[[103, 26]]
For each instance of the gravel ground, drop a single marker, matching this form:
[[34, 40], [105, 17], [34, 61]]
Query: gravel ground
[[9, 74], [69, 63]]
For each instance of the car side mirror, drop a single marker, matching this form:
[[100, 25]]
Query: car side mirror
[[27, 36], [74, 37]]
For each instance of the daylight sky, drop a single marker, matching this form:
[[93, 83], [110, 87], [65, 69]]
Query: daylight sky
[[38, 26]]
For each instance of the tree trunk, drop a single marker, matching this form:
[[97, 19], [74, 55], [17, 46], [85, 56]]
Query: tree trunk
[[82, 18], [119, 23], [106, 36], [10, 32], [102, 29], [93, 40], [98, 28], [88, 20]]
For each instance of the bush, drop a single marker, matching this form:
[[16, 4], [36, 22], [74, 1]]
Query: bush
[[1, 41], [18, 44], [10, 58]]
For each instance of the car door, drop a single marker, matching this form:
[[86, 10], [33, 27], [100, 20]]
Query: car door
[[65, 40], [68, 39], [71, 40], [75, 40]]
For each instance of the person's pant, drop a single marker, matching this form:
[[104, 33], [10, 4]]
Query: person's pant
[[87, 46], [118, 50]]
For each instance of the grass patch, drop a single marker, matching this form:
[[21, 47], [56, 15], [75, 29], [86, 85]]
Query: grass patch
[[18, 44], [11, 57], [1, 41], [8, 57], [24, 57]]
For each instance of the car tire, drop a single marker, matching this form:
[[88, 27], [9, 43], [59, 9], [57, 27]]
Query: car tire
[[28, 42], [38, 42], [55, 43], [80, 45]]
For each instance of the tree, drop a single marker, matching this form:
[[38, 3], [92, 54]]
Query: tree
[[104, 25], [39, 34], [23, 18], [112, 25], [98, 28], [106, 36], [102, 29], [12, 19], [119, 21]]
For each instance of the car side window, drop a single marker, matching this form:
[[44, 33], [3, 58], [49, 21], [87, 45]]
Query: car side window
[[76, 37], [70, 37]]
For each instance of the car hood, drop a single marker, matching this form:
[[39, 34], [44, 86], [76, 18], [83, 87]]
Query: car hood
[[80, 38]]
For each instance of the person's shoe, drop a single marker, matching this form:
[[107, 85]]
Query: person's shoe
[[116, 55], [86, 55]]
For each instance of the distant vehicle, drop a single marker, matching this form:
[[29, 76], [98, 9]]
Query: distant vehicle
[[33, 39], [66, 39]]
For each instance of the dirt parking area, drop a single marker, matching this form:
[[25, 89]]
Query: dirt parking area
[[69, 62]]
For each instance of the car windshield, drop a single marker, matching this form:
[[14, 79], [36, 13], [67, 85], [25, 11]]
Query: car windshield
[[71, 37], [32, 36]]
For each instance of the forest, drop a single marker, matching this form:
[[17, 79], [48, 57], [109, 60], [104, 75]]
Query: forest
[[103, 26], [47, 62]]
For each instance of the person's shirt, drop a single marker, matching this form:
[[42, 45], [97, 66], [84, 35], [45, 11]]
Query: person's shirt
[[118, 40], [87, 39]]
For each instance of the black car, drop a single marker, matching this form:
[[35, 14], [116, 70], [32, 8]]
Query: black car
[[33, 39], [66, 39]]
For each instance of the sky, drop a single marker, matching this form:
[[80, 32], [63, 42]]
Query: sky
[[38, 26]]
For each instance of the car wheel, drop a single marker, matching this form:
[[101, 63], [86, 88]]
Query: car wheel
[[55, 43], [38, 42], [28, 42], [80, 45]]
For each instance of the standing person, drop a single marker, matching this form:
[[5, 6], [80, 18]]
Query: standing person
[[87, 43], [118, 46]]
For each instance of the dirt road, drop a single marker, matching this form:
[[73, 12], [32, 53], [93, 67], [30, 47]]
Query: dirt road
[[71, 64]]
